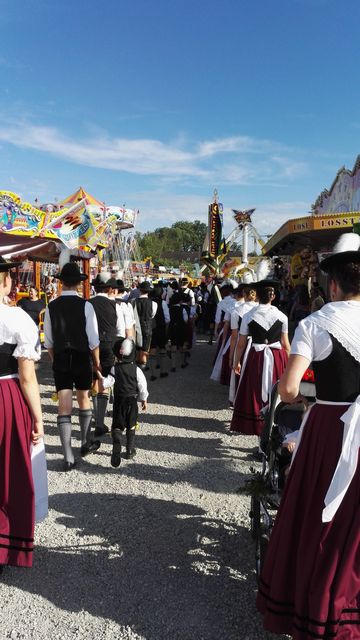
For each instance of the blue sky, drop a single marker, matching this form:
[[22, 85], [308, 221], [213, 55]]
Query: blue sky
[[154, 104]]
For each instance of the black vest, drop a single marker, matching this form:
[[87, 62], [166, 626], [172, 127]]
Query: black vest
[[262, 336], [125, 380], [105, 310], [337, 378], [68, 324], [159, 316], [144, 309], [8, 364], [176, 316]]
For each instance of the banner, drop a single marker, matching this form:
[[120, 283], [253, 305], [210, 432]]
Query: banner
[[75, 227], [215, 230], [18, 217]]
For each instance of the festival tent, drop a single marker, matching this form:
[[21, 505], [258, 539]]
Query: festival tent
[[80, 194]]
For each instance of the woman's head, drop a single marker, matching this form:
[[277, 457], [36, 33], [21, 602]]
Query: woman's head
[[344, 281], [266, 295]]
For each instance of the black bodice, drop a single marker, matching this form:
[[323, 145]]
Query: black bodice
[[265, 336], [337, 378], [8, 364]]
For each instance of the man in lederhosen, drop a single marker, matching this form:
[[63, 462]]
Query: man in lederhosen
[[144, 312], [113, 323], [72, 340]]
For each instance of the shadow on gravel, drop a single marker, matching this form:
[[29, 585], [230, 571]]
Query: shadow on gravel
[[162, 568]]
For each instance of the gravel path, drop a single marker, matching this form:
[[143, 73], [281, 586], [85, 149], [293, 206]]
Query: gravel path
[[156, 550]]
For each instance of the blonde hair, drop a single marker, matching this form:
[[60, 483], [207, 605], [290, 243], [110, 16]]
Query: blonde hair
[[251, 295], [3, 275]]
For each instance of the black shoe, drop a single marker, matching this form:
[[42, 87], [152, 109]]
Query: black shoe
[[68, 466], [164, 375], [115, 455], [153, 378], [101, 432], [93, 446], [186, 364], [173, 370], [130, 454]]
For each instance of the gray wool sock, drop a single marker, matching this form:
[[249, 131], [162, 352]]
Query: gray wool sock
[[162, 357], [95, 404], [85, 416], [64, 426], [152, 364], [102, 402]]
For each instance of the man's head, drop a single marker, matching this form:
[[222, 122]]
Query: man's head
[[71, 276]]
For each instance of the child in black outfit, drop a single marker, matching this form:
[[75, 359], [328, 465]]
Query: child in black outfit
[[130, 387]]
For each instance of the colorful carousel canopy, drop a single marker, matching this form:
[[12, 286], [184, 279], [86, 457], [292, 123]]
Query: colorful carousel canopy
[[80, 194]]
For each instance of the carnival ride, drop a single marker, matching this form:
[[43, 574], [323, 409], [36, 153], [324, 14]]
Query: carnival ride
[[215, 255], [79, 227]]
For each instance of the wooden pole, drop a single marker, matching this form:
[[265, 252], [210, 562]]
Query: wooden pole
[[37, 275], [86, 283]]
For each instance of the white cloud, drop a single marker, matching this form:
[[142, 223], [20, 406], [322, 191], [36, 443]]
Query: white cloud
[[236, 160]]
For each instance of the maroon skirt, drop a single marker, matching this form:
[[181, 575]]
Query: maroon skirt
[[247, 418], [225, 374], [310, 584], [16, 485]]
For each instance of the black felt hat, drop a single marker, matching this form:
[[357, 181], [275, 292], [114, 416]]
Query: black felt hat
[[70, 273], [144, 287], [120, 285], [346, 250], [268, 282], [6, 266], [101, 281]]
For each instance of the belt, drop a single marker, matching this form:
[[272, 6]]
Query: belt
[[9, 376]]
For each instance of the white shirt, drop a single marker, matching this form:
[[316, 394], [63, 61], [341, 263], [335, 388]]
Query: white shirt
[[16, 327], [91, 324], [314, 342], [165, 308], [239, 312], [265, 315], [226, 304]]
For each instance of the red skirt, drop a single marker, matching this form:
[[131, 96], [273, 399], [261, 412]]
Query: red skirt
[[247, 418], [16, 485], [310, 584]]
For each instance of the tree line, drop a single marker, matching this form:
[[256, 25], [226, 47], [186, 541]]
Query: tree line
[[173, 245]]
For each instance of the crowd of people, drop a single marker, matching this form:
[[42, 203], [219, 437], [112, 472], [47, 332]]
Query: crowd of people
[[310, 582]]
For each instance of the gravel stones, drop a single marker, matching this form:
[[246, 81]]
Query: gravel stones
[[158, 549]]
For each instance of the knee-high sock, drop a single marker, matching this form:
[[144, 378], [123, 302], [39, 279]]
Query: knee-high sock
[[162, 357], [64, 426], [102, 401], [95, 405], [130, 437], [173, 359], [152, 364], [85, 426]]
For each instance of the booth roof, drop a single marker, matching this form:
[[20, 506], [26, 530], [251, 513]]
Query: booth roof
[[34, 249], [320, 232]]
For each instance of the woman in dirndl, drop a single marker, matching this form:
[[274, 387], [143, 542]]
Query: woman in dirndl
[[20, 426], [310, 583], [250, 297], [260, 361]]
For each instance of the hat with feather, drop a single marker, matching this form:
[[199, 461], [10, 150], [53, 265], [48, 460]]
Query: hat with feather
[[346, 250], [262, 275]]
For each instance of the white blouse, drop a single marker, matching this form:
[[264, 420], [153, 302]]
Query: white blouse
[[239, 312], [265, 315], [16, 327], [313, 341]]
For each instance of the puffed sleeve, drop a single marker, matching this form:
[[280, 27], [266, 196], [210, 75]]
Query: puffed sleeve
[[244, 328], [285, 323], [311, 341], [27, 337]]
